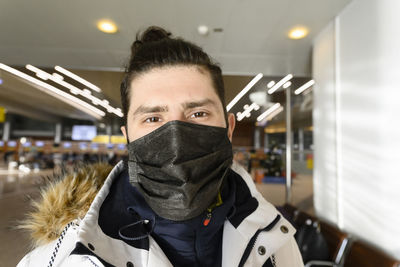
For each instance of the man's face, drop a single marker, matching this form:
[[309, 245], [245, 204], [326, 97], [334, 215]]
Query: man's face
[[165, 94]]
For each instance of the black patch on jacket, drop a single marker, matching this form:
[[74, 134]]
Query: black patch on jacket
[[268, 263], [245, 203], [80, 249]]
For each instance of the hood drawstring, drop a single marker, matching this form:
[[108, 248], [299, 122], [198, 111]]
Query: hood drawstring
[[144, 222], [58, 244]]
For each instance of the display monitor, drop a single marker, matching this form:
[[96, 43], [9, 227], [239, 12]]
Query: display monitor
[[1, 143], [83, 132], [39, 143], [121, 146], [110, 146], [94, 146], [83, 145], [12, 144], [27, 144], [67, 145]]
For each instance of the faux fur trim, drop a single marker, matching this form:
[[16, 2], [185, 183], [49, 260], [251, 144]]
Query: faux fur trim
[[64, 199]]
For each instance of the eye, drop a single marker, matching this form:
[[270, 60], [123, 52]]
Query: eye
[[198, 114], [152, 120]]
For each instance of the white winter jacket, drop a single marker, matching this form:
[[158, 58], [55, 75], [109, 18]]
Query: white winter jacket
[[261, 235]]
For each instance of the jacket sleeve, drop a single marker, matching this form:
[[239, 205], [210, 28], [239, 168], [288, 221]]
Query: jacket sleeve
[[289, 255]]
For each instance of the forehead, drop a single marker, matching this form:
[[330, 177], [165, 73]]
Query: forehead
[[172, 84]]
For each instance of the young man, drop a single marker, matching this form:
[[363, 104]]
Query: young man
[[179, 200]]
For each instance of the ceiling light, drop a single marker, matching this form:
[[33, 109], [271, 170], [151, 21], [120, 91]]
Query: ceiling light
[[274, 113], [74, 90], [57, 93], [298, 32], [247, 110], [304, 87], [203, 30], [58, 76], [268, 112], [244, 91], [287, 84], [107, 26], [270, 84], [280, 83], [77, 78]]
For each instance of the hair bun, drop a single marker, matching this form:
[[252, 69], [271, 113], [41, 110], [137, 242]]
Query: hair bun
[[154, 34], [151, 34]]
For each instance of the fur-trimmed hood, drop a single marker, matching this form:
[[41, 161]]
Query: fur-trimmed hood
[[65, 198]]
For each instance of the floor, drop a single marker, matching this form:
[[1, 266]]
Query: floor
[[18, 188]]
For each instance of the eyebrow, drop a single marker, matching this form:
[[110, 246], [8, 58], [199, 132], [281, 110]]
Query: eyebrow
[[196, 104], [187, 105], [153, 109]]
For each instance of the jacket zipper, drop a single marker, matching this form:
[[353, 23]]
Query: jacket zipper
[[253, 240], [273, 260], [211, 208]]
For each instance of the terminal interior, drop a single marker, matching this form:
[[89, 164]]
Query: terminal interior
[[316, 113]]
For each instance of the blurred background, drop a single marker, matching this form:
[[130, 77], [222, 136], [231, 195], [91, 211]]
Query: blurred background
[[312, 84]]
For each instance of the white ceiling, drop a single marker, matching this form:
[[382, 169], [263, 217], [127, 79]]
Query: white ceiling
[[49, 32]]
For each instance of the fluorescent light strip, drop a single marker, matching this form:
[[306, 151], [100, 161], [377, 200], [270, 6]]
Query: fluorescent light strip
[[280, 83], [77, 78], [287, 84], [302, 88], [244, 91], [274, 113], [270, 84], [270, 116], [246, 112], [75, 90], [55, 92], [268, 112]]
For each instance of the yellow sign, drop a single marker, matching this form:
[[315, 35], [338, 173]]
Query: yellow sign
[[105, 139], [2, 114], [118, 139]]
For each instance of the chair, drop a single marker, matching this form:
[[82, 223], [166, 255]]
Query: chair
[[361, 254], [336, 239], [337, 242], [288, 211], [300, 218]]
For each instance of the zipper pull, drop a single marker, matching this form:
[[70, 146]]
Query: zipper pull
[[207, 219]]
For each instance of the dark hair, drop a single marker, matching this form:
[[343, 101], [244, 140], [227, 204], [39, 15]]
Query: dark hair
[[155, 48]]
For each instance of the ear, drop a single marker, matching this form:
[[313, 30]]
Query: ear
[[123, 130], [231, 126]]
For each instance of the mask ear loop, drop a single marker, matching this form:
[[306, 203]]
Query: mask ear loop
[[127, 135]]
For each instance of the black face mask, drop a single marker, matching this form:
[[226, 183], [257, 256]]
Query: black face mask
[[179, 167]]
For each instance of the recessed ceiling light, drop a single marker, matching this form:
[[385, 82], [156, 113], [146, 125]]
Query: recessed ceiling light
[[107, 26], [203, 30], [298, 32]]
